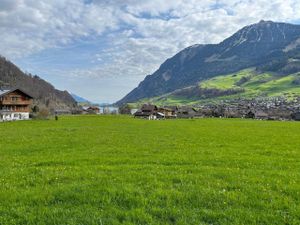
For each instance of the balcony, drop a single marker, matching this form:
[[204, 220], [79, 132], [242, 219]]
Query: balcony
[[18, 102], [15, 111]]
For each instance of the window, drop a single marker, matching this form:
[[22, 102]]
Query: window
[[14, 99]]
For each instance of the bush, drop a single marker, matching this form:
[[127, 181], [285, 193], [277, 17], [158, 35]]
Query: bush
[[43, 114]]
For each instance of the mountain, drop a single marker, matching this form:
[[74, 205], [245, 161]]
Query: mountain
[[84, 102], [79, 99], [45, 95], [265, 46]]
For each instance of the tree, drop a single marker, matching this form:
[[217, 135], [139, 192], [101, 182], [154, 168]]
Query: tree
[[125, 109], [35, 109], [43, 114]]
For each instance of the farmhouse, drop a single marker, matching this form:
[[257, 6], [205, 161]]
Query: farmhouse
[[14, 105], [93, 110], [147, 111], [167, 112]]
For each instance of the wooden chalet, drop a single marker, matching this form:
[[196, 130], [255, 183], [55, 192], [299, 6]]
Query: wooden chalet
[[168, 112], [15, 104], [147, 111]]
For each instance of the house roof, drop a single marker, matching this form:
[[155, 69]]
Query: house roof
[[166, 109], [148, 107], [141, 113], [160, 114], [5, 92]]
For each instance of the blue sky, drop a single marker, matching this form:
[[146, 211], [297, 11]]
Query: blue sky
[[101, 49]]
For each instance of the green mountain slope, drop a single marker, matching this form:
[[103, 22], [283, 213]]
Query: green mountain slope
[[246, 84]]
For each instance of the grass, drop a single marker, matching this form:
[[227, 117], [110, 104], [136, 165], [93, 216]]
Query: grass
[[119, 170], [226, 81]]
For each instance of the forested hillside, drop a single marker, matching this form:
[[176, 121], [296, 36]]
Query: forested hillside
[[45, 95]]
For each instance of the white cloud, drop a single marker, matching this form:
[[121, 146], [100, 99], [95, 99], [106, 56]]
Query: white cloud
[[29, 26], [141, 34]]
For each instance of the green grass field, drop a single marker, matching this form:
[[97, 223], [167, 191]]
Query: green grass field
[[118, 170]]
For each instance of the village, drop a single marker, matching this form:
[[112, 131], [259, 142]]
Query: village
[[15, 104], [277, 108]]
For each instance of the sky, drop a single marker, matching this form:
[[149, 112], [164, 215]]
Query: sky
[[102, 49]]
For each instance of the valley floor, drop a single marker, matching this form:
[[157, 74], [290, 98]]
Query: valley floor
[[119, 170]]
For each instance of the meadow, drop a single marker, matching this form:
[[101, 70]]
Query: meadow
[[118, 170], [249, 82]]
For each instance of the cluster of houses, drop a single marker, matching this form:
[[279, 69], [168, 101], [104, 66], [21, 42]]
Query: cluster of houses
[[276, 108], [152, 112], [265, 109]]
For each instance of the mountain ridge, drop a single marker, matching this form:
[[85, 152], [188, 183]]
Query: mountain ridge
[[265, 45]]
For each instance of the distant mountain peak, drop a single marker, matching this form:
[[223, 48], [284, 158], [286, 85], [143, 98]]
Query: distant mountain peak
[[79, 99], [264, 33]]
